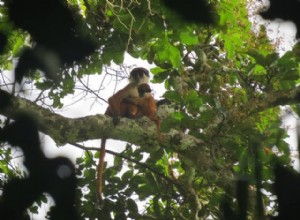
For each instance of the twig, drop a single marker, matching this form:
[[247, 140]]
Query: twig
[[85, 86], [143, 165]]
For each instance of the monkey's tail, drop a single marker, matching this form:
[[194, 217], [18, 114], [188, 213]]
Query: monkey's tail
[[100, 173]]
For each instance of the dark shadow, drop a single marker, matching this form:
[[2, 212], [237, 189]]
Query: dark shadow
[[54, 176], [57, 38], [287, 10]]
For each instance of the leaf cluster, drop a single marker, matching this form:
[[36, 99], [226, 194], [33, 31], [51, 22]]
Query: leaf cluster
[[226, 85]]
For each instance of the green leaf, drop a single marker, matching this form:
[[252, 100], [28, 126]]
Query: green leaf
[[270, 58], [178, 116], [193, 100], [89, 173], [287, 84], [157, 70], [18, 44], [265, 61], [56, 102], [118, 163], [34, 209], [127, 175], [44, 199], [166, 53], [145, 191], [3, 168], [114, 51], [44, 85], [256, 55], [188, 38], [173, 96], [132, 207], [156, 155], [160, 77], [173, 121]]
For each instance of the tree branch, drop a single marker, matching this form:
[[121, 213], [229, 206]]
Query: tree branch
[[143, 165], [71, 130], [139, 132], [272, 99]]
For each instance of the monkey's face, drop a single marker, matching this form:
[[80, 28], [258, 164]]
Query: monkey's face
[[143, 89], [139, 75]]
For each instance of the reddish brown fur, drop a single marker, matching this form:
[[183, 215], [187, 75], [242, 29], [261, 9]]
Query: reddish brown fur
[[137, 76], [126, 110], [146, 105]]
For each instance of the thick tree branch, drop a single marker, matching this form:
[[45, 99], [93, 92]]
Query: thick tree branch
[[272, 99], [71, 130], [139, 132]]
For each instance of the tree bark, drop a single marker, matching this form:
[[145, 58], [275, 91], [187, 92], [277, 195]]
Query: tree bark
[[141, 132], [65, 130]]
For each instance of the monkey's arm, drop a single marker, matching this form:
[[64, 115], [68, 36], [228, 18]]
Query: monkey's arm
[[134, 101], [114, 101]]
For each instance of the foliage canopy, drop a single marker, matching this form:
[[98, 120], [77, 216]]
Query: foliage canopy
[[226, 84]]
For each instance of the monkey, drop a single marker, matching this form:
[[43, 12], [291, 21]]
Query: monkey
[[137, 76], [133, 107], [116, 108], [127, 110], [146, 105]]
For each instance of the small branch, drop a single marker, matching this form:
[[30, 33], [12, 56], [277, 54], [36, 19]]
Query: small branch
[[90, 90], [143, 165], [270, 100]]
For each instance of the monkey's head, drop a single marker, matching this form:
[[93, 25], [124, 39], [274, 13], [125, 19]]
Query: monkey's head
[[139, 76], [143, 89]]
